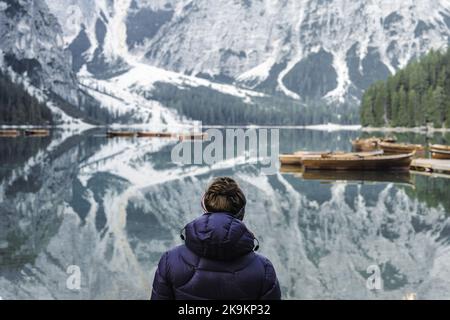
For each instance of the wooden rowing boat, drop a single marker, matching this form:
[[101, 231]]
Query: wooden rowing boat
[[193, 136], [125, 134], [298, 157], [37, 132], [315, 153], [440, 151], [439, 147], [9, 133], [440, 154], [377, 162], [142, 134], [290, 159], [352, 154], [389, 139], [370, 143], [365, 144], [402, 148]]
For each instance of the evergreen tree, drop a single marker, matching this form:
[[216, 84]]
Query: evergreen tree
[[402, 119], [367, 114], [395, 108], [439, 101], [413, 109], [379, 106]]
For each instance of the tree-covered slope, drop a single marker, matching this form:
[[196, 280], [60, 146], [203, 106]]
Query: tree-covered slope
[[18, 107], [417, 95]]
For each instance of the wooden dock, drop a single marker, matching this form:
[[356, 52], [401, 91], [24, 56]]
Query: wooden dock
[[431, 165]]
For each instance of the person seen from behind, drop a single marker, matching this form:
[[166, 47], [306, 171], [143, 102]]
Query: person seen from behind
[[218, 260]]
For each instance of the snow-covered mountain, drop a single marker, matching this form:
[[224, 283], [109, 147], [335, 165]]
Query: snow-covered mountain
[[330, 49], [33, 54], [119, 49]]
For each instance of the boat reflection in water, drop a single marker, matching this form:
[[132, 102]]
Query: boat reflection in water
[[400, 177]]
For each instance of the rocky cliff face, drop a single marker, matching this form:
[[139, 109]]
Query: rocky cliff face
[[311, 49], [31, 44]]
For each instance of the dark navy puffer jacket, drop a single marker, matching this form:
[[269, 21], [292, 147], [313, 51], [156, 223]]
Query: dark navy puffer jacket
[[217, 262]]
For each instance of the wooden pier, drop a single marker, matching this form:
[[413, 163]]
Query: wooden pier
[[431, 165]]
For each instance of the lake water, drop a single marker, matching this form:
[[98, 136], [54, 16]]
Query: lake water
[[109, 208]]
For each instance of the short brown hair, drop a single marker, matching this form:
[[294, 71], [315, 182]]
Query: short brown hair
[[224, 195]]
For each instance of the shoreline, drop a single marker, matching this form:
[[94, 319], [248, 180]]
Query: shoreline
[[198, 125], [405, 129]]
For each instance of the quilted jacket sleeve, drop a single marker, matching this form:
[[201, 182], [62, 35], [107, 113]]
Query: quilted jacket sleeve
[[271, 287], [162, 289]]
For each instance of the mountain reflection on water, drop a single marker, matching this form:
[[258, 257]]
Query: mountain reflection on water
[[113, 206]]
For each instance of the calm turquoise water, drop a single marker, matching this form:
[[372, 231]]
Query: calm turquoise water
[[111, 207]]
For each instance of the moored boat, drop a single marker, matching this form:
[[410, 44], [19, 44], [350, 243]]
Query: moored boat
[[389, 139], [365, 144], [143, 134], [355, 162], [440, 151], [37, 132], [314, 153], [9, 133], [400, 148], [126, 134], [352, 154], [370, 144], [298, 157], [290, 159], [193, 136], [440, 154], [439, 147]]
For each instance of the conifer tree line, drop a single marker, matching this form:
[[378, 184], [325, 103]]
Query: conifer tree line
[[18, 107], [416, 96], [216, 108]]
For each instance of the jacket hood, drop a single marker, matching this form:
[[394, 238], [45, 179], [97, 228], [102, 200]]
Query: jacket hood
[[219, 236]]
